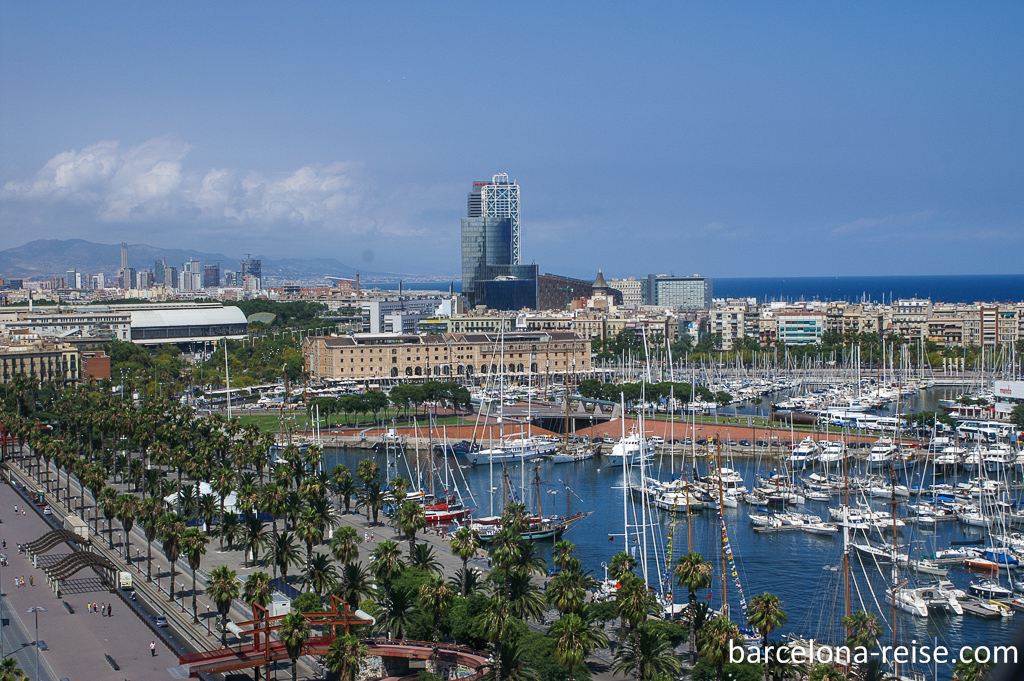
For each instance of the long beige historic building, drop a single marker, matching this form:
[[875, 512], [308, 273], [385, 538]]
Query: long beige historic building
[[406, 356]]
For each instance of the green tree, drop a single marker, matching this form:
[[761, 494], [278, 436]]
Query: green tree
[[862, 630], [765, 615], [294, 632], [345, 655], [193, 545], [576, 639], [464, 545], [1017, 417], [647, 655], [285, 552], [172, 531], [435, 597], [223, 589], [715, 639], [694, 574], [969, 669]]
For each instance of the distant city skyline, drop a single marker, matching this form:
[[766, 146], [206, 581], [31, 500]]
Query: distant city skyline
[[729, 140]]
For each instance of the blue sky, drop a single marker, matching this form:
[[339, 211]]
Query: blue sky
[[729, 139]]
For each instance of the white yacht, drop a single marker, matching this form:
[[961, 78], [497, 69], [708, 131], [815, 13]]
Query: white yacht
[[881, 452], [630, 449], [804, 453]]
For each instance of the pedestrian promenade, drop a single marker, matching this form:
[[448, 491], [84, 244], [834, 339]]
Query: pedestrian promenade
[[76, 643]]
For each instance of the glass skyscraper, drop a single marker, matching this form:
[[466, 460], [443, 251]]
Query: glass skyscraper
[[485, 242]]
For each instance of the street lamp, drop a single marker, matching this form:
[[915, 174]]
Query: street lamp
[[35, 610]]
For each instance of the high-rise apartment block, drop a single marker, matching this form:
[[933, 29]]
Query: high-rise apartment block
[[211, 276], [682, 293]]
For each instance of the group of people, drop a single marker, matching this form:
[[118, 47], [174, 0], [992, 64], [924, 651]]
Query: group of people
[[102, 608], [20, 581]]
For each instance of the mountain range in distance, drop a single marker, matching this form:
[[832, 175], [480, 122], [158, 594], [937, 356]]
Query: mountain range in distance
[[44, 258]]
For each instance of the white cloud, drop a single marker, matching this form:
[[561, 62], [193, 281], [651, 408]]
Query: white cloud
[[885, 226], [148, 182]]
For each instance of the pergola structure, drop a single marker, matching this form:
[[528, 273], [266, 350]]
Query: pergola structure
[[264, 650]]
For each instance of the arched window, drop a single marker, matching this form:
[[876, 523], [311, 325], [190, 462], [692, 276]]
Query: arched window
[[519, 367], [408, 371], [446, 370], [469, 369], [460, 370], [437, 370], [533, 367], [394, 372], [483, 368], [494, 368], [419, 371]]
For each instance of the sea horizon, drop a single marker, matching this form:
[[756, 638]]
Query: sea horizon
[[952, 288]]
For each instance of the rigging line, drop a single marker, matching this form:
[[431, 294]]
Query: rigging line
[[874, 597]]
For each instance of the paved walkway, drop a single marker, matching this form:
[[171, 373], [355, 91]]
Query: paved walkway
[[77, 643]]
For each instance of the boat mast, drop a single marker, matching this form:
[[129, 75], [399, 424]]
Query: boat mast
[[625, 487], [721, 512]]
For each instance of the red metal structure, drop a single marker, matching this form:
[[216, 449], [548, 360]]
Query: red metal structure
[[263, 650]]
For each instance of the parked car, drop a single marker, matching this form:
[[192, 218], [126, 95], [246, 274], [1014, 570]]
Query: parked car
[[47, 511], [744, 443]]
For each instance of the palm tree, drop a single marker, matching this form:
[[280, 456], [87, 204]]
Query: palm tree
[[345, 656], [621, 564], [410, 520], [367, 471], [223, 483], [372, 499], [467, 581], [464, 545], [310, 531], [969, 669], [10, 671], [257, 589], [285, 553], [575, 639], [172, 530], [526, 601], [862, 630], [320, 574], [510, 663], [424, 558], [561, 552], [222, 587], [435, 596], [229, 529], [356, 584], [693, 573], [397, 611], [344, 485], [108, 502], [715, 639], [255, 536], [127, 509], [647, 655], [567, 591], [193, 544], [386, 563], [294, 632], [150, 513], [765, 615], [826, 672], [494, 622], [634, 603]]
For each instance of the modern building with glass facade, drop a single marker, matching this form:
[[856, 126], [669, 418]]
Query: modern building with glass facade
[[683, 293], [485, 242], [498, 198]]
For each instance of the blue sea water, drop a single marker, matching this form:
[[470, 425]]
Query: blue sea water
[[966, 288], [803, 570], [946, 289]]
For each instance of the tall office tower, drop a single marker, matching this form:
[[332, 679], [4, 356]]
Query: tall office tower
[[170, 277], [498, 198], [485, 242], [252, 267], [211, 276], [124, 255], [158, 269]]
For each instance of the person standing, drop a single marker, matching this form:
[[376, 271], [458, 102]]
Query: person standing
[[152, 648]]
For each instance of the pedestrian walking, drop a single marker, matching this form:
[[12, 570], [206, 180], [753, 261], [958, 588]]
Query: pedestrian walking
[[15, 509], [24, 512], [31, 580], [88, 608], [152, 648], [5, 543], [103, 609], [94, 607]]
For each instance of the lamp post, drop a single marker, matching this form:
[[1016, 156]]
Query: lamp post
[[3, 559], [35, 610], [208, 632]]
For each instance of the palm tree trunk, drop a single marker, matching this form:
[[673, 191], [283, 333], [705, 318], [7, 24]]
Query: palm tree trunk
[[149, 561], [170, 589], [195, 610]]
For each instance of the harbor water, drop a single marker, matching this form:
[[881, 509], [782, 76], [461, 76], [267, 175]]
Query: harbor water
[[803, 570]]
